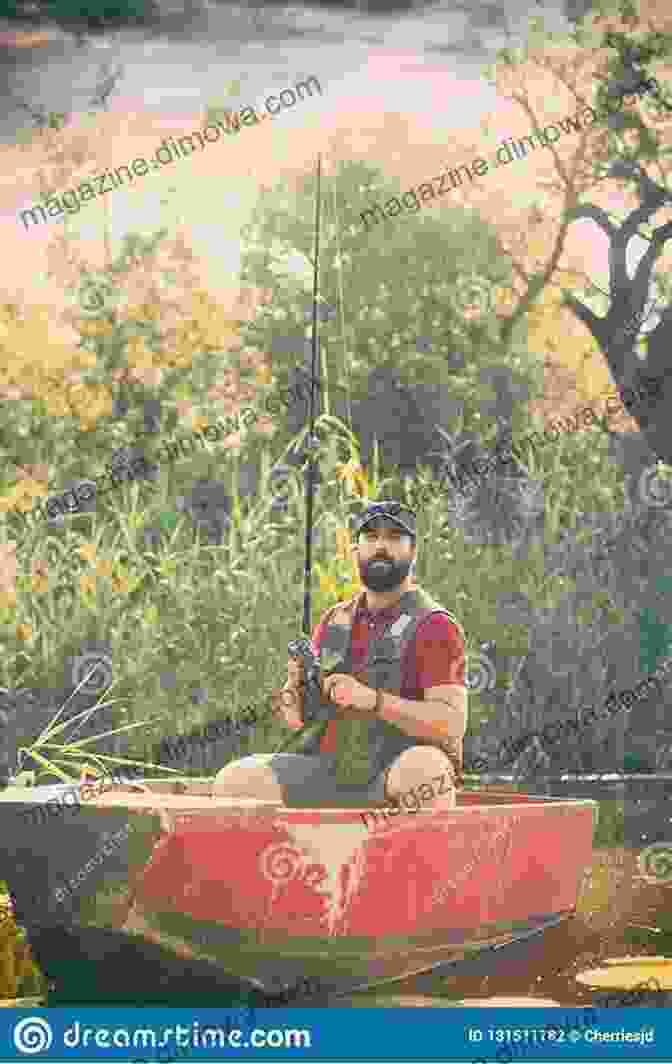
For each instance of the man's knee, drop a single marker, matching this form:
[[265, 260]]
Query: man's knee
[[249, 777], [423, 772]]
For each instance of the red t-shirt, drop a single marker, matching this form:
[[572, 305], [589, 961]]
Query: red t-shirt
[[437, 657]]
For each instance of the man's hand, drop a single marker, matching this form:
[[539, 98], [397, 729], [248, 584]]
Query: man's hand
[[295, 676], [349, 693], [288, 702]]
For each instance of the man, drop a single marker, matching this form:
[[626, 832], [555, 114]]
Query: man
[[400, 690]]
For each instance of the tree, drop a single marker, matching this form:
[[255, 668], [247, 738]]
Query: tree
[[95, 14], [614, 332], [404, 308], [628, 299], [533, 214]]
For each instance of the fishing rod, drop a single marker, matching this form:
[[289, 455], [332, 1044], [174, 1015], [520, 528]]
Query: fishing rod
[[312, 441], [316, 712]]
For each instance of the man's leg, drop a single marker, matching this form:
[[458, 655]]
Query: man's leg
[[298, 780], [295, 780], [249, 777], [421, 774]]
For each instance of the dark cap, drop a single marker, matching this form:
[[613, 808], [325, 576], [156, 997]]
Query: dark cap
[[390, 509]]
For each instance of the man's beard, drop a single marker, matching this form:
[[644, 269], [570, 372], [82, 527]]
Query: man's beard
[[385, 577]]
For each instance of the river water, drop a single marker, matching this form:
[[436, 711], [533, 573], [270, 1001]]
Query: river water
[[425, 65], [182, 60]]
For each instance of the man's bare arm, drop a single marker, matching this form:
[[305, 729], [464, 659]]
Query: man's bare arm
[[441, 715]]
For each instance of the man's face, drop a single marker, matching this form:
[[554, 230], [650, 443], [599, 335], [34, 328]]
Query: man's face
[[384, 555]]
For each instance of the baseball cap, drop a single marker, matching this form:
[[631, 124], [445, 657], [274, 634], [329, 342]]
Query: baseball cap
[[402, 516]]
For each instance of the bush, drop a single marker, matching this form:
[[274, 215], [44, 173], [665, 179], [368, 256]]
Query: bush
[[16, 9], [19, 975], [99, 12]]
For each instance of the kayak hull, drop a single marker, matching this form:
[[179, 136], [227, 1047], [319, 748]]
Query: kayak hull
[[259, 894]]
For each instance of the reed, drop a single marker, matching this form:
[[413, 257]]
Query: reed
[[229, 609]]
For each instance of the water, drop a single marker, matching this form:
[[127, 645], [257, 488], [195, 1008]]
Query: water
[[409, 63], [182, 63]]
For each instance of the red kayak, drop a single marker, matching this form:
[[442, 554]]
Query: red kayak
[[350, 897]]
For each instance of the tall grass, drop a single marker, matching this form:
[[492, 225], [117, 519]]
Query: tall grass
[[221, 615]]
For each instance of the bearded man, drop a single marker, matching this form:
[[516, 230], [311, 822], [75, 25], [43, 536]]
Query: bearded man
[[399, 690]]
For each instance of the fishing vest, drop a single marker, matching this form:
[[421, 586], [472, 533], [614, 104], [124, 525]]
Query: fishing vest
[[364, 748]]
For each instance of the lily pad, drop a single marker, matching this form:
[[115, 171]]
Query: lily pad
[[507, 1003], [627, 973]]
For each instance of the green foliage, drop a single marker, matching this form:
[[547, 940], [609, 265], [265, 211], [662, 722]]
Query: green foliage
[[399, 291], [63, 760], [14, 9], [82, 454], [611, 825], [634, 763], [655, 640], [222, 615], [632, 50], [99, 11]]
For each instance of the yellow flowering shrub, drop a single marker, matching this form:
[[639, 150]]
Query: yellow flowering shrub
[[37, 364], [19, 975]]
